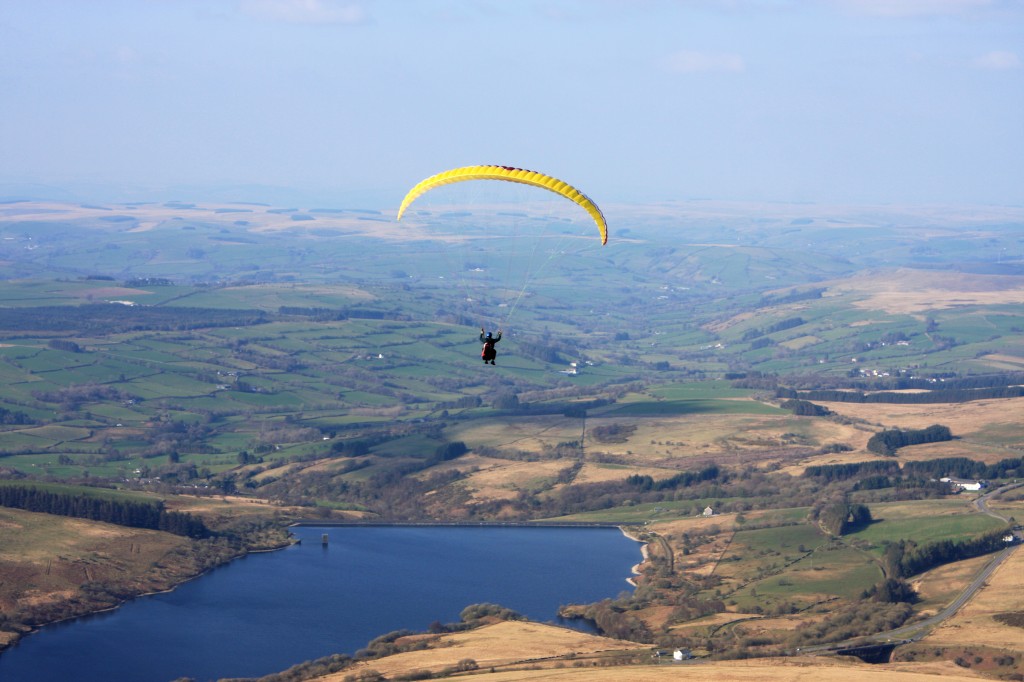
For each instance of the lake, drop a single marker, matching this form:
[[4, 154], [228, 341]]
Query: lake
[[266, 612]]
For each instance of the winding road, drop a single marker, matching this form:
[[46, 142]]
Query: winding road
[[918, 629]]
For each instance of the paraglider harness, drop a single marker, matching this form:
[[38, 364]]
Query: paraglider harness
[[488, 353]]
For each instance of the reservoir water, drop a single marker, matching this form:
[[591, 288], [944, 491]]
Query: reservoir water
[[269, 611]]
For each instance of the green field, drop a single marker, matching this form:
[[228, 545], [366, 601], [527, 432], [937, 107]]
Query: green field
[[332, 364]]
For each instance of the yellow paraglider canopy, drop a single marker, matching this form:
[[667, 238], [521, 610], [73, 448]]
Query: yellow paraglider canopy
[[509, 174]]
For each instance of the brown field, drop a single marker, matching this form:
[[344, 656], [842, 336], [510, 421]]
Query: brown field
[[600, 473], [1010, 504], [506, 482], [259, 218], [716, 619], [984, 430], [755, 670], [499, 644], [530, 651], [655, 616], [221, 505], [800, 342], [941, 585], [697, 524], [702, 559], [949, 506], [519, 433], [915, 292], [957, 448], [44, 559], [1004, 362], [962, 418], [974, 623], [670, 444], [277, 472]]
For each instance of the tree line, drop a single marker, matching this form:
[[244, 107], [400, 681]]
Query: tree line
[[15, 418], [841, 472], [962, 467], [944, 395], [882, 473], [683, 479], [64, 345], [779, 326], [109, 318], [805, 408], [791, 297], [942, 381], [151, 515], [890, 440], [905, 558]]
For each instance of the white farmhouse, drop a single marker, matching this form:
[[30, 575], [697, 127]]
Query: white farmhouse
[[964, 484]]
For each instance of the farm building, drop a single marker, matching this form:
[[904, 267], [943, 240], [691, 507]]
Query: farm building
[[963, 484]]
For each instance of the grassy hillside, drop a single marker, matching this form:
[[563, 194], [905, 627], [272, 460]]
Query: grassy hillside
[[329, 359]]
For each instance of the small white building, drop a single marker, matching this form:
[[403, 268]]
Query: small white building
[[964, 484], [681, 654], [708, 511]]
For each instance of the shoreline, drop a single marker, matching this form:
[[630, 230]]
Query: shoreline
[[635, 569], [32, 629], [645, 556], [461, 524]]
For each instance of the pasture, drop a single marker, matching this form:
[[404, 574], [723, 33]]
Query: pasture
[[295, 354]]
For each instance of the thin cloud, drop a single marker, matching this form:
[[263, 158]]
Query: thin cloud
[[125, 54], [306, 11], [691, 61], [998, 60], [913, 8]]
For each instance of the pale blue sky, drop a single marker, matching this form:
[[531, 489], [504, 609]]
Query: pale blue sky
[[350, 102]]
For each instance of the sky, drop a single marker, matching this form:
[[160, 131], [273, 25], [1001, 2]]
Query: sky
[[345, 102]]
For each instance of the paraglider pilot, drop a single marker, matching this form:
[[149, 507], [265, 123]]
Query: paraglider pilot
[[488, 353]]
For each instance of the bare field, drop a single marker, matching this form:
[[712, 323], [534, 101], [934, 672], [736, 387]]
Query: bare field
[[662, 446], [914, 292], [600, 473], [540, 652], [949, 506], [505, 482], [690, 627], [33, 538], [956, 448], [960, 417], [753, 670], [984, 429], [696, 524], [986, 423], [499, 644], [55, 555], [941, 585], [1004, 362], [46, 559], [519, 433], [702, 559], [259, 218], [974, 623], [221, 505], [668, 441]]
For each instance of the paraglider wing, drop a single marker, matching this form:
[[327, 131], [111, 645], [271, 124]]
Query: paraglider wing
[[509, 174]]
